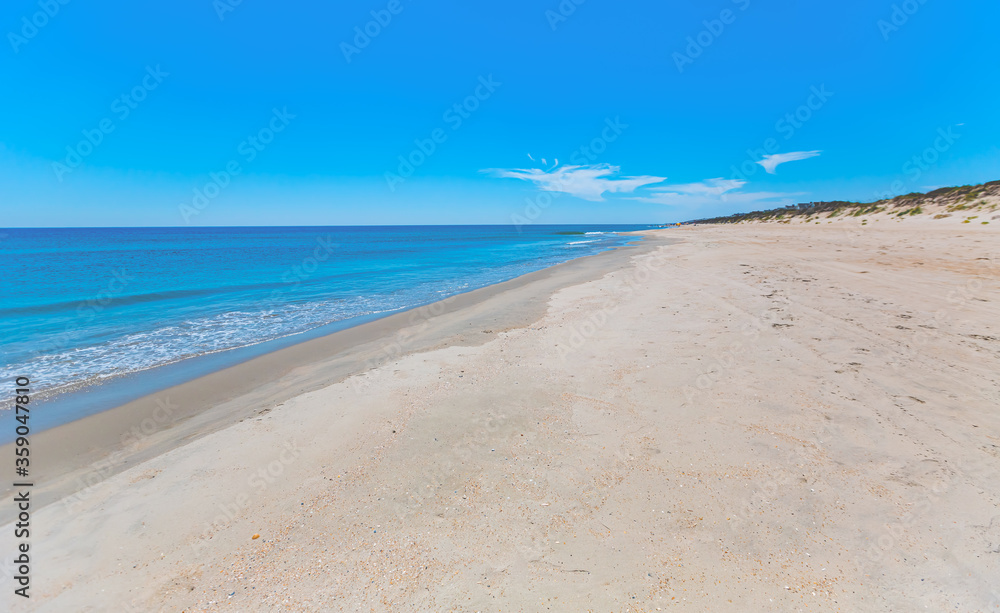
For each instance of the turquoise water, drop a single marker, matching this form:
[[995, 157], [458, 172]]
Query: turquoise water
[[83, 305]]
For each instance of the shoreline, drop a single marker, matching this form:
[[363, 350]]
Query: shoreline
[[118, 389], [83, 452], [76, 399]]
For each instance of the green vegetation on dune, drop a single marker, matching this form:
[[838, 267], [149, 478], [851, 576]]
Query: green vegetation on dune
[[952, 198]]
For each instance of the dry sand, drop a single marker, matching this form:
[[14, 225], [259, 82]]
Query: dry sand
[[757, 418]]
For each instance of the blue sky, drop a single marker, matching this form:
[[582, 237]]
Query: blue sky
[[221, 112]]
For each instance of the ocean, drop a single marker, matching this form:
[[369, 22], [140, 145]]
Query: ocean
[[84, 305]]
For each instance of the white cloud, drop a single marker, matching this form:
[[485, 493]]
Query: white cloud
[[771, 162], [708, 187], [713, 192], [593, 182], [587, 182]]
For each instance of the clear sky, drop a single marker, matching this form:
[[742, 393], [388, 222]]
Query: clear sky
[[202, 112]]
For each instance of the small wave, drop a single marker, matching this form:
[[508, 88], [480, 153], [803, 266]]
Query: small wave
[[581, 242]]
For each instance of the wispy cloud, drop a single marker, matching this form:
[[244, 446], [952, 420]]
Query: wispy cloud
[[771, 162], [708, 187], [587, 182], [713, 192], [594, 182]]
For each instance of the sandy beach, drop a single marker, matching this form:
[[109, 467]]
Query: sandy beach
[[760, 417]]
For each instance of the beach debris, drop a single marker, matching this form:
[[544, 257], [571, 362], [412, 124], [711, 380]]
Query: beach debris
[[255, 537]]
